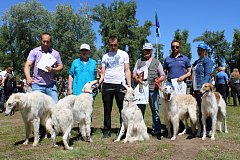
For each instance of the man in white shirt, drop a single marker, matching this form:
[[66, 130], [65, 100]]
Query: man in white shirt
[[115, 71]]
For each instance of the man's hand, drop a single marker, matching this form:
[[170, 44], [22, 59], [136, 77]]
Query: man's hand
[[50, 69], [158, 82], [70, 91], [29, 80], [180, 79]]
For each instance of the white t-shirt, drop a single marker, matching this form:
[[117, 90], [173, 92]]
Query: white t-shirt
[[114, 66]]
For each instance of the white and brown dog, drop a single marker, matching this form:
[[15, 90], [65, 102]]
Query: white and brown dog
[[214, 106], [133, 120], [178, 107]]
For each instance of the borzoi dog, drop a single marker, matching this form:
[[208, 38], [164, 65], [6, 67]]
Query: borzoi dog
[[62, 119], [35, 108], [83, 108], [132, 120], [178, 107], [214, 106], [74, 109]]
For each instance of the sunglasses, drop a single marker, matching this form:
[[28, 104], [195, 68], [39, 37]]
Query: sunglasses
[[177, 47]]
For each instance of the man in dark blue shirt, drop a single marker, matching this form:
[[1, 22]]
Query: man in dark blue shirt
[[177, 65]]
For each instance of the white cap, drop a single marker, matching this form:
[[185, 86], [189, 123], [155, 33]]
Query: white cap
[[147, 46], [85, 46]]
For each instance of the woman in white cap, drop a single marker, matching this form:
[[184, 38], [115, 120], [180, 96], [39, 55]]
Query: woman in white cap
[[83, 70]]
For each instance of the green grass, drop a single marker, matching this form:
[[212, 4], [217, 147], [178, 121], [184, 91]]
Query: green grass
[[12, 134]]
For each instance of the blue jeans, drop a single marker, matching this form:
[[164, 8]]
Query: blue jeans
[[50, 90], [2, 98], [154, 105]]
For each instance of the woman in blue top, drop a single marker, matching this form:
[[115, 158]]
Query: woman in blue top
[[83, 70], [201, 73]]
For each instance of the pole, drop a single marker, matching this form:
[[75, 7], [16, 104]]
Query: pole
[[157, 47]]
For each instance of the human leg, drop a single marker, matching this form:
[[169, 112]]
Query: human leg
[[154, 105], [107, 98]]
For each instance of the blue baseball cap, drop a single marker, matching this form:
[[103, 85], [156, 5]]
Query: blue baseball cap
[[203, 46]]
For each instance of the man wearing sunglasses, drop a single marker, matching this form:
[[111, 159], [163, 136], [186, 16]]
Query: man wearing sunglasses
[[176, 65], [83, 70]]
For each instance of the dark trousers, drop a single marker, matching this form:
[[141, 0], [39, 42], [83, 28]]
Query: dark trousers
[[222, 89], [236, 93], [198, 97], [109, 91]]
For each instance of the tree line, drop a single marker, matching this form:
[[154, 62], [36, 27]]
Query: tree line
[[23, 23]]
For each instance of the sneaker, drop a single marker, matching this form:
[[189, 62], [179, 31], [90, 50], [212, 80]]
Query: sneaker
[[106, 134]]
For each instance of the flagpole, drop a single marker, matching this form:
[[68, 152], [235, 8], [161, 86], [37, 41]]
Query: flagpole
[[157, 46]]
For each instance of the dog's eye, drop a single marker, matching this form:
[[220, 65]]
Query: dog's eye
[[9, 104]]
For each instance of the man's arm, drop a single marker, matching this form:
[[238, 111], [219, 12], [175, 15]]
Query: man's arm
[[70, 80], [127, 73], [102, 74], [183, 77], [27, 67]]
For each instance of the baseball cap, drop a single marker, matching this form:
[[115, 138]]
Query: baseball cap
[[203, 46], [85, 46], [147, 46]]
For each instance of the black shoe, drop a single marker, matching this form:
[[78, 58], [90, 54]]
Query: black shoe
[[158, 136], [106, 134]]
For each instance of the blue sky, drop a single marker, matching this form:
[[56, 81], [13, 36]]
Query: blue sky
[[195, 16]]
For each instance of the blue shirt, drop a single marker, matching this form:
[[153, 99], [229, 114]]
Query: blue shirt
[[176, 67], [221, 77], [82, 73]]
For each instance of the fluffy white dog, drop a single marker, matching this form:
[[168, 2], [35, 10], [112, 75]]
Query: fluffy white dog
[[132, 120], [213, 105], [178, 107], [62, 119], [35, 108], [83, 108]]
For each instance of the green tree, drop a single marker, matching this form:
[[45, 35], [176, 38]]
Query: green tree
[[19, 33], [185, 46], [119, 19], [70, 31], [235, 58], [220, 49]]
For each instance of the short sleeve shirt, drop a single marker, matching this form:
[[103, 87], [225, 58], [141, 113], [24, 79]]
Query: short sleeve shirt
[[39, 76], [114, 64], [176, 67]]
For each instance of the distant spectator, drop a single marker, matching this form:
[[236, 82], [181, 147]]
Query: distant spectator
[[8, 82], [20, 85], [222, 82], [235, 86]]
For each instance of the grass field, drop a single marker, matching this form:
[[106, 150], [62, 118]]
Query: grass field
[[226, 146]]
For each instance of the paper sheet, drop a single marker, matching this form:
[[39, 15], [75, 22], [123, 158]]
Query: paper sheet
[[47, 60], [179, 87]]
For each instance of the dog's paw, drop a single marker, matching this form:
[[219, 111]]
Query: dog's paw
[[212, 138], [226, 131], [173, 138], [203, 138], [69, 148], [25, 143], [117, 140], [35, 144], [55, 145]]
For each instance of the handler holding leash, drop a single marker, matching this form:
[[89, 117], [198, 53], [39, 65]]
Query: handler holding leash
[[155, 76]]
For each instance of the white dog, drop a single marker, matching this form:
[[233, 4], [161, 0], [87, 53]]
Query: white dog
[[132, 120], [178, 107], [35, 108], [62, 119], [214, 106], [83, 108]]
